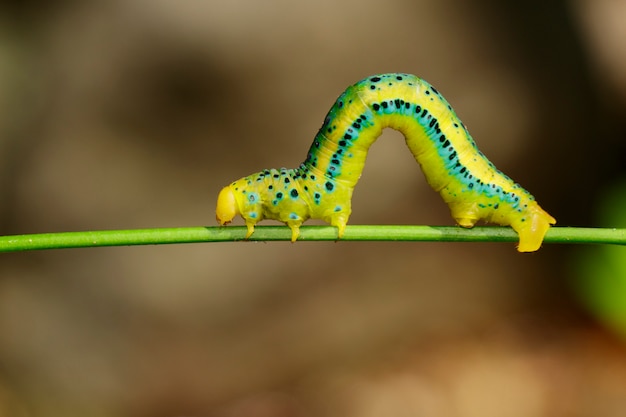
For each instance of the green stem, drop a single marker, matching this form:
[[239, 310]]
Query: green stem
[[311, 233]]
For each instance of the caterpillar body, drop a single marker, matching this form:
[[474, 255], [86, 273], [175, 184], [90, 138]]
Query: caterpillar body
[[321, 187]]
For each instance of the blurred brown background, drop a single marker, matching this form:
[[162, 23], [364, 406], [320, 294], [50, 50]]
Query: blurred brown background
[[134, 113]]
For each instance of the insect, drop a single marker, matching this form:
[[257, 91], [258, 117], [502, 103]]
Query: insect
[[321, 187]]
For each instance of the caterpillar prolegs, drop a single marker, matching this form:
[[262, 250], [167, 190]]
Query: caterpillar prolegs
[[321, 187]]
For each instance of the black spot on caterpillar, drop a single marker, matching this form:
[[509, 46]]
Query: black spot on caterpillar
[[321, 187]]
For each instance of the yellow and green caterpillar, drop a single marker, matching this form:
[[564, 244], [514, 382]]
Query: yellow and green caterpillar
[[321, 187]]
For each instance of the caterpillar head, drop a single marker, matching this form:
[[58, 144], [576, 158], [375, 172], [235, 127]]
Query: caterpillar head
[[227, 207]]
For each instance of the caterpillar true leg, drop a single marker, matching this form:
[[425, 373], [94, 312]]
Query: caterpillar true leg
[[321, 187], [295, 230]]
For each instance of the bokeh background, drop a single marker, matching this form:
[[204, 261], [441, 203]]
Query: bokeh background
[[134, 113]]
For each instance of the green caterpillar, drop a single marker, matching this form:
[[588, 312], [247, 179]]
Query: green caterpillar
[[321, 187]]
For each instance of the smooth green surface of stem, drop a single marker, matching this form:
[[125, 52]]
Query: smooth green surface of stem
[[161, 236]]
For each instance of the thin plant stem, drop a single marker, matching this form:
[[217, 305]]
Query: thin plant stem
[[159, 236]]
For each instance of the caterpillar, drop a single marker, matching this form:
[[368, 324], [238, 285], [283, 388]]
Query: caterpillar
[[321, 187]]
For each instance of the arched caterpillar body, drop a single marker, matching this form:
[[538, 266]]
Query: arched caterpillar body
[[321, 187]]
